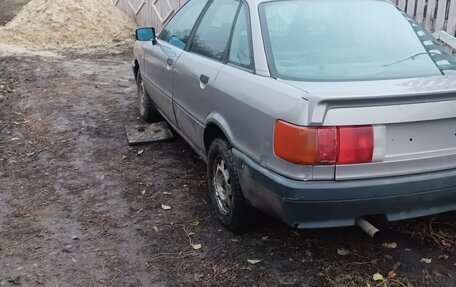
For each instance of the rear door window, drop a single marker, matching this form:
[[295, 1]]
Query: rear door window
[[212, 34], [241, 45], [178, 30]]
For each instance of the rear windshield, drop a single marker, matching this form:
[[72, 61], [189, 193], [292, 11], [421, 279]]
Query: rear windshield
[[348, 40]]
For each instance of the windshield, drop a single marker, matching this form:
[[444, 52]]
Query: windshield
[[348, 40]]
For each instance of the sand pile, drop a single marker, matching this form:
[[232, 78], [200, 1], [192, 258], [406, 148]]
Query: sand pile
[[44, 23]]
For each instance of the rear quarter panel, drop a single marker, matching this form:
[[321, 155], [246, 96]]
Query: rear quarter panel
[[248, 105]]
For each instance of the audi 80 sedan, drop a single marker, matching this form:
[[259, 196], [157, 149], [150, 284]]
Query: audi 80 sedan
[[317, 112]]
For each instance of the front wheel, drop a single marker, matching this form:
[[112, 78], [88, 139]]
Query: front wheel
[[225, 191], [147, 109]]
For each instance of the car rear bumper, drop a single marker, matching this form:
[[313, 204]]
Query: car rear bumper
[[319, 204]]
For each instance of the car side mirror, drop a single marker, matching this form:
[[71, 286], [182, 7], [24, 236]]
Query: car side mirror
[[145, 34]]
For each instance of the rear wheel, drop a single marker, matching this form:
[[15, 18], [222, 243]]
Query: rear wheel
[[227, 198], [147, 109]]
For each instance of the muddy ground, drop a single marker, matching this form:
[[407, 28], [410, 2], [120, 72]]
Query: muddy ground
[[79, 207]]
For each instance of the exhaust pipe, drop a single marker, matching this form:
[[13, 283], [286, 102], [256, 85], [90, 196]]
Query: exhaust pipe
[[367, 227]]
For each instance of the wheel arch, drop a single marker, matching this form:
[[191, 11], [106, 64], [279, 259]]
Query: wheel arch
[[136, 70], [216, 127]]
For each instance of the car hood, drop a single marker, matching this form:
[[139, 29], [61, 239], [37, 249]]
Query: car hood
[[322, 96]]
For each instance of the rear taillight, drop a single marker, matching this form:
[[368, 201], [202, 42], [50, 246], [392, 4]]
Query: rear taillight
[[356, 144], [323, 145]]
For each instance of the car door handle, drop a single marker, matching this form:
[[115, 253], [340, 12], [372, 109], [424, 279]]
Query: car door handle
[[204, 79], [170, 61]]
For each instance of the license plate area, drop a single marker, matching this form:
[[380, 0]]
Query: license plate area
[[420, 139]]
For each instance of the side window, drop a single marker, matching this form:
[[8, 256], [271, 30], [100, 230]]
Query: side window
[[178, 30], [211, 37], [241, 49]]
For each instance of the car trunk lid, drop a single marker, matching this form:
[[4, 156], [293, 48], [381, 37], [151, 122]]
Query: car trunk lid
[[416, 119]]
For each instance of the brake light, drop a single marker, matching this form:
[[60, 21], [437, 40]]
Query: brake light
[[323, 145], [356, 144]]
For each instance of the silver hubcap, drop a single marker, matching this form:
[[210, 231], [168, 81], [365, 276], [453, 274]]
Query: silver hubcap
[[141, 94], [222, 187]]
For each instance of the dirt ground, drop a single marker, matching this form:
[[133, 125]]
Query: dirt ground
[[79, 207]]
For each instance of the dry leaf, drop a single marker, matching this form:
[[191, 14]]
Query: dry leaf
[[343, 252], [391, 245], [339, 279], [426, 260], [195, 222], [378, 277], [391, 275], [14, 139], [196, 246], [165, 207], [253, 261], [155, 228], [140, 152], [446, 244], [444, 257], [198, 277], [143, 191], [396, 265]]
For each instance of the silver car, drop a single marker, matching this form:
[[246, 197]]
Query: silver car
[[317, 112]]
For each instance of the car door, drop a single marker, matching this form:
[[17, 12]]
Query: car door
[[196, 70], [161, 55]]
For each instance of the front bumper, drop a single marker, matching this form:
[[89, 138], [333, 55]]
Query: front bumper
[[319, 204]]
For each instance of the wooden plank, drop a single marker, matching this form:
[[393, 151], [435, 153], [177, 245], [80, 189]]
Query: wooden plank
[[441, 10], [401, 4], [430, 15], [141, 16], [151, 13], [420, 11], [163, 10], [143, 134], [124, 6], [451, 27], [447, 39], [411, 7], [136, 6], [146, 20]]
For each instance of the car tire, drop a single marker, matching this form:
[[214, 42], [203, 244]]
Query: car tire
[[230, 206], [147, 110]]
